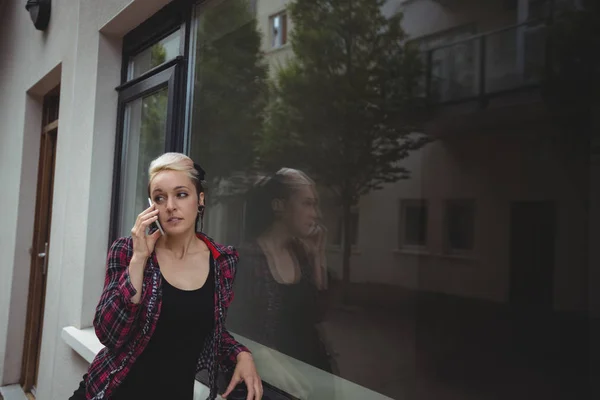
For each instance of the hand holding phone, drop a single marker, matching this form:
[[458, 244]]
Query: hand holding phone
[[156, 224]]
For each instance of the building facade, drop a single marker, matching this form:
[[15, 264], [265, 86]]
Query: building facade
[[453, 151]]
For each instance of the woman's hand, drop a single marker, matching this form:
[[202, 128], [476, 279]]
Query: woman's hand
[[143, 244], [245, 371], [316, 244]]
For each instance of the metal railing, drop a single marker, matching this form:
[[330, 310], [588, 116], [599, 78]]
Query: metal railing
[[490, 63]]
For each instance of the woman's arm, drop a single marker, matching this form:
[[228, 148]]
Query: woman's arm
[[116, 313], [230, 349]]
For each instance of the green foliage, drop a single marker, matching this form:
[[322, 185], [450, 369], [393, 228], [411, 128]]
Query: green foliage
[[343, 107], [230, 90]]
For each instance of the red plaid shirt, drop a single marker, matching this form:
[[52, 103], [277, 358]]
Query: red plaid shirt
[[125, 328]]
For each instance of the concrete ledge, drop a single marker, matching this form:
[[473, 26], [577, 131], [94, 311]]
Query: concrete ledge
[[279, 370], [12, 392]]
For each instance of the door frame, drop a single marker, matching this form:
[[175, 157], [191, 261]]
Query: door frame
[[41, 239]]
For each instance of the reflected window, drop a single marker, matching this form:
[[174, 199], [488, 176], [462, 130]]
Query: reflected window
[[150, 101], [460, 225], [339, 233], [413, 223], [278, 30]]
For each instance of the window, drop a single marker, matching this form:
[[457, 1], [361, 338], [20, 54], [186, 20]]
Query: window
[[158, 53], [149, 111], [460, 226], [284, 150], [339, 233], [413, 223], [278, 25], [451, 60]]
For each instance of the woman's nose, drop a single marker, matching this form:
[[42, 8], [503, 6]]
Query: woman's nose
[[170, 204]]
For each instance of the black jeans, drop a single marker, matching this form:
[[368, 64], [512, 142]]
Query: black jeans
[[79, 394]]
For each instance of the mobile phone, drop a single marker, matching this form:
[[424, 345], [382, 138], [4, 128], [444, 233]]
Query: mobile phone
[[155, 225]]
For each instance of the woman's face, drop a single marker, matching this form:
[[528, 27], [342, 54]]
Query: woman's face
[[300, 211], [175, 197]]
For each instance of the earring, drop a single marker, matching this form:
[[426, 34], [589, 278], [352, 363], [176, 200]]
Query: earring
[[201, 209]]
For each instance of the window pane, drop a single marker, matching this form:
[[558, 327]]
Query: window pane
[[157, 54], [335, 124], [461, 218], [144, 135], [415, 224]]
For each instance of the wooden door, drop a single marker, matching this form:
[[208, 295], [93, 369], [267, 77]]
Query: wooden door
[[41, 242]]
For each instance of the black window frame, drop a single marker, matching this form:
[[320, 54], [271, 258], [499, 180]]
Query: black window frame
[[172, 74]]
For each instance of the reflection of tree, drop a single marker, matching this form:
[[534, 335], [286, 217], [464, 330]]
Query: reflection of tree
[[153, 126], [342, 108], [229, 90]]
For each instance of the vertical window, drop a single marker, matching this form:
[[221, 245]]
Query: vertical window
[[460, 226], [413, 223], [149, 111], [278, 30]]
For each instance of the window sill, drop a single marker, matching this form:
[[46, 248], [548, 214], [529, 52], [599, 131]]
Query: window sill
[[274, 50], [413, 252], [424, 253], [337, 249], [462, 257], [274, 367]]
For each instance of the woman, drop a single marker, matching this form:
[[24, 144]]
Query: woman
[[283, 270], [162, 311]]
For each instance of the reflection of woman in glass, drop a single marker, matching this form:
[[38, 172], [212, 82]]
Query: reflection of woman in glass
[[283, 269]]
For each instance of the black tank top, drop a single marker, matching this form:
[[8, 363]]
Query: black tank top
[[167, 367]]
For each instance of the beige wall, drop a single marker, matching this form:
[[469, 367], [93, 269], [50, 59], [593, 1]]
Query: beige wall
[[264, 10], [424, 17]]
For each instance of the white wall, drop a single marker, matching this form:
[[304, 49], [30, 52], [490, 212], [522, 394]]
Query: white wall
[[81, 50]]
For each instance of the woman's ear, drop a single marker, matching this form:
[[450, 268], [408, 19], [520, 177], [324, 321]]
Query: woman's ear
[[201, 199]]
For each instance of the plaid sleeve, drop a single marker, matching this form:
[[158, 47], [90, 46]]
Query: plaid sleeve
[[230, 348], [115, 312]]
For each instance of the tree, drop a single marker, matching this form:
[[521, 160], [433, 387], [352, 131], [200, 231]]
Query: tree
[[230, 90], [345, 107]]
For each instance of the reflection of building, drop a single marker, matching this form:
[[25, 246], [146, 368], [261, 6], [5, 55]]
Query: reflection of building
[[498, 197]]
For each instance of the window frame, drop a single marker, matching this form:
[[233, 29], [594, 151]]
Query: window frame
[[285, 30], [172, 74], [404, 204]]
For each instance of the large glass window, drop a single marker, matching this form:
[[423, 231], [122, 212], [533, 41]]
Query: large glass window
[[395, 242]]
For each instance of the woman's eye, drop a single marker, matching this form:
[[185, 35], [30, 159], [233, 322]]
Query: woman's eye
[[182, 194], [158, 199]]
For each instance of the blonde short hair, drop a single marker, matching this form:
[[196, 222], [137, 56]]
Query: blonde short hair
[[176, 162]]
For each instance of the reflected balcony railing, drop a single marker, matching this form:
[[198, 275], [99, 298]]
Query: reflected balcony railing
[[483, 65]]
